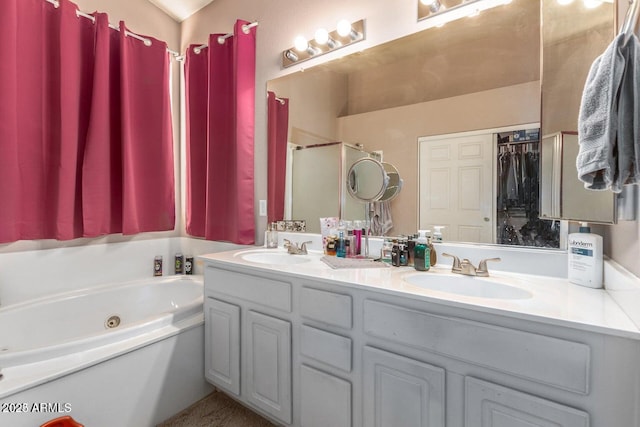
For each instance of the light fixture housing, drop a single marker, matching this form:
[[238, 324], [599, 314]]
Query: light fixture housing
[[324, 42], [454, 12]]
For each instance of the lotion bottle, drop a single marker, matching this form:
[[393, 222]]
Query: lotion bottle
[[585, 258]]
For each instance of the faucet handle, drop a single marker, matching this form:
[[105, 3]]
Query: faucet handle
[[455, 268], [287, 243], [482, 267], [303, 246]]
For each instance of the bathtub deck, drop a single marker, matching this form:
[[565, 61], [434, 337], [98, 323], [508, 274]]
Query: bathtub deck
[[216, 410]]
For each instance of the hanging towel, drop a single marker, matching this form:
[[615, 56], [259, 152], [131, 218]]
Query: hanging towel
[[380, 214], [607, 117], [597, 120], [628, 116]]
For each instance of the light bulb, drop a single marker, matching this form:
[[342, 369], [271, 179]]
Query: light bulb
[[300, 43], [321, 36], [344, 28], [592, 4]]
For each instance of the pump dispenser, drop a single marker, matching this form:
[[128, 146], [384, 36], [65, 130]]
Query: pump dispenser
[[437, 234], [585, 258]]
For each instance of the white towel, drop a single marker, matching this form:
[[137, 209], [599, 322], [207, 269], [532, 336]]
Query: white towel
[[608, 122], [380, 214]]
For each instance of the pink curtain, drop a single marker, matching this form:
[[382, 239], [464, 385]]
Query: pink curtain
[[220, 132], [278, 128], [63, 102], [45, 80]]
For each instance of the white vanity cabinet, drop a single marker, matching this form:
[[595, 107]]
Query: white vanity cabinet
[[248, 339], [309, 352]]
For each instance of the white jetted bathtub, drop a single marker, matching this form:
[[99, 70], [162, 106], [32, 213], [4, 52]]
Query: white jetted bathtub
[[117, 354]]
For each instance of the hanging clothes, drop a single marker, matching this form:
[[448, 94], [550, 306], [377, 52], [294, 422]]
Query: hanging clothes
[[220, 128]]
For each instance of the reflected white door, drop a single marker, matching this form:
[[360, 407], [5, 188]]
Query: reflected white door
[[456, 187]]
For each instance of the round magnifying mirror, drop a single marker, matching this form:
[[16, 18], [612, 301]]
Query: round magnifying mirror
[[367, 180], [395, 183]]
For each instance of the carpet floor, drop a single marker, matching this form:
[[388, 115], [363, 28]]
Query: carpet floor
[[216, 410]]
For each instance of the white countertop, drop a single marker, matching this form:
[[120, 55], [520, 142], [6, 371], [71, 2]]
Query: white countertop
[[553, 300]]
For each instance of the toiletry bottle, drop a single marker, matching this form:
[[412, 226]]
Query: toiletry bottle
[[385, 253], [357, 232], [157, 265], [395, 254], [404, 254], [433, 255], [585, 258], [178, 263], [421, 261], [188, 264], [411, 244], [349, 240], [332, 243], [271, 236], [437, 234], [341, 247]]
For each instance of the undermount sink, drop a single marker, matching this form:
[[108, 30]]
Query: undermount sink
[[268, 256], [467, 286]]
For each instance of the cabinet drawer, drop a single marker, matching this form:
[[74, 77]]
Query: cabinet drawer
[[267, 292], [326, 307], [325, 347], [546, 360], [491, 405]]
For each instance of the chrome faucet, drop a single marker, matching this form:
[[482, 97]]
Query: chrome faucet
[[294, 249], [466, 267]]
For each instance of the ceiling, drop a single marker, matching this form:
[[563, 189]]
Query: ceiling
[[180, 9]]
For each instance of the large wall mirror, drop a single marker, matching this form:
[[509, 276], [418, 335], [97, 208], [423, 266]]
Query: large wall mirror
[[573, 35], [472, 74]]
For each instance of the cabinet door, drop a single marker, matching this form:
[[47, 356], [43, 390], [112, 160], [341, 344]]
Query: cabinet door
[[325, 400], [222, 344], [268, 364], [398, 391], [491, 405]]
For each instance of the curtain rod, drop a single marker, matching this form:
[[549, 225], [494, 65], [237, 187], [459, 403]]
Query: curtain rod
[[221, 39], [147, 42]]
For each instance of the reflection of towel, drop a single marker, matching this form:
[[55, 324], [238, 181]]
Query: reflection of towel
[[380, 214], [608, 119], [628, 117]]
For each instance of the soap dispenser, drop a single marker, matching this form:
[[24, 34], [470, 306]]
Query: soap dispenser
[[421, 254], [585, 258], [437, 234]]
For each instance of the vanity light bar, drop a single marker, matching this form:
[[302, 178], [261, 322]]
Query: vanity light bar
[[331, 41], [462, 10]]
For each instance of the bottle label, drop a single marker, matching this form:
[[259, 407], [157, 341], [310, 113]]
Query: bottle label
[[582, 251]]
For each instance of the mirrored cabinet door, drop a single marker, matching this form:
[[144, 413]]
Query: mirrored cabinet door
[[565, 196]]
